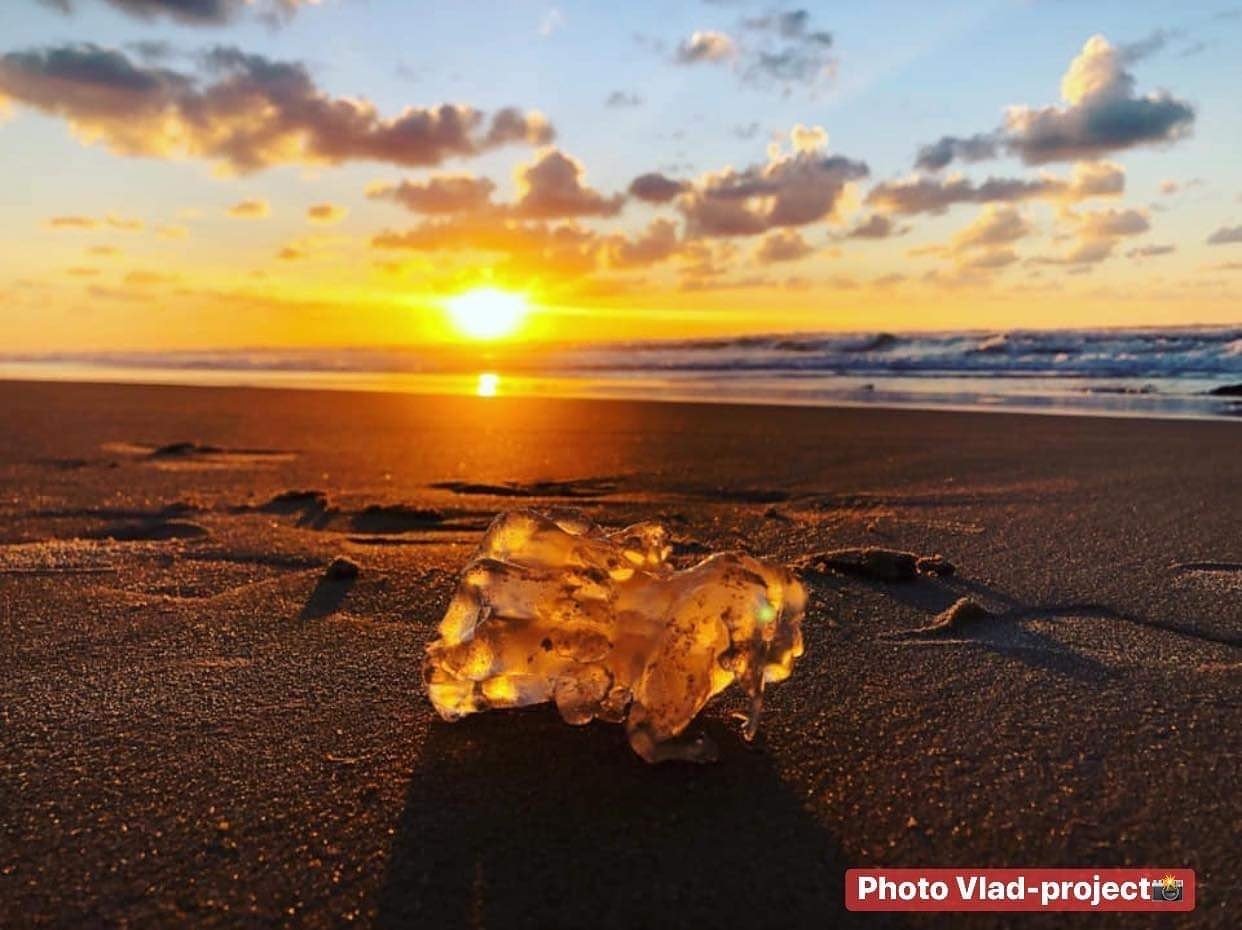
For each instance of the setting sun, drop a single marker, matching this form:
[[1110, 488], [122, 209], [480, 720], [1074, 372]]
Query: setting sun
[[487, 313]]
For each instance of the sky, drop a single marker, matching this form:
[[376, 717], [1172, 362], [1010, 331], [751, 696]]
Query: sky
[[223, 173]]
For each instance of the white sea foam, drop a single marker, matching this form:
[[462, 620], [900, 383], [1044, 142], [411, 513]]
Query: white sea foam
[[1168, 371]]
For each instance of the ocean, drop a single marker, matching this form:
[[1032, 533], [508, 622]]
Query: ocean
[[1150, 372]]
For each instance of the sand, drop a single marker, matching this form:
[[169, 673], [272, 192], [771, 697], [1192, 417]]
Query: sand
[[200, 725]]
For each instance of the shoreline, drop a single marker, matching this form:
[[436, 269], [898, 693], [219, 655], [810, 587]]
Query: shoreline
[[380, 384]]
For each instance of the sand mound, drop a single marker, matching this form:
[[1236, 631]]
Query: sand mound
[[875, 564], [395, 518], [151, 531], [296, 501]]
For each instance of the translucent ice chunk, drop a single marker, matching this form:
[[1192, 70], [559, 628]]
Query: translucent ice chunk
[[553, 608]]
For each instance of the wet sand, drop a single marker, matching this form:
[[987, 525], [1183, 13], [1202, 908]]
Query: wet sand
[[199, 728]]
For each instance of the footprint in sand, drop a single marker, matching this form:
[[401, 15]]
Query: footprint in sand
[[374, 524], [190, 456], [1222, 577], [55, 557], [1078, 637], [312, 508], [576, 488], [151, 530]]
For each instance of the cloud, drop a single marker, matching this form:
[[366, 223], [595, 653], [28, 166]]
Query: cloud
[[1151, 251], [99, 292], [656, 188], [247, 113], [809, 139], [988, 260], [525, 240], [1093, 179], [444, 193], [111, 221], [528, 249], [195, 12], [791, 189], [172, 231], [1111, 224], [655, 244], [704, 258], [705, 47], [148, 278], [1100, 113], [120, 222], [995, 225], [1169, 186], [984, 245], [938, 154], [1097, 234], [250, 209], [782, 245], [552, 21], [620, 99], [923, 194], [1084, 253], [777, 49], [152, 50], [306, 247], [73, 222], [874, 227], [551, 187], [1149, 45], [787, 50], [325, 213], [1225, 235], [788, 24]]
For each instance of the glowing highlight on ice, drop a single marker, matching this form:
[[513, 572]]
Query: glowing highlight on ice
[[553, 608]]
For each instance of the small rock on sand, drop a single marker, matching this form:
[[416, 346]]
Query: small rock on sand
[[342, 569], [297, 500], [963, 614], [1226, 390]]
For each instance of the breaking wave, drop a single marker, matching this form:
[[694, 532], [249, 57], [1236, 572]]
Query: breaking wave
[[1189, 371], [1092, 353]]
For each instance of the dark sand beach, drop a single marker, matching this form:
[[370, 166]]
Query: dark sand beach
[[198, 728]]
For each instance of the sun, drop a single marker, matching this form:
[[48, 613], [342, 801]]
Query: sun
[[487, 312]]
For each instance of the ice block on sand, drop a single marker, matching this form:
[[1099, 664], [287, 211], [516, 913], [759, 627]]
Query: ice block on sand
[[553, 608]]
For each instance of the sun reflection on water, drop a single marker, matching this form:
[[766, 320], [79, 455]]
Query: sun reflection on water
[[488, 384]]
